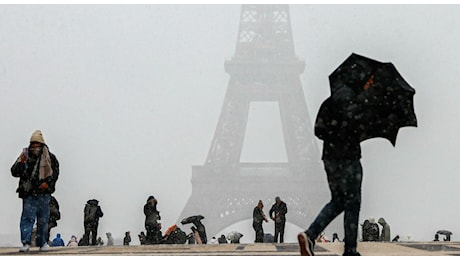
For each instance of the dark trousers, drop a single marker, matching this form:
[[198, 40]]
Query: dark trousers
[[344, 178], [90, 230], [279, 230], [153, 235], [259, 232]]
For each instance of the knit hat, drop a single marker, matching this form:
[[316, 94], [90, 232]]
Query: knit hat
[[37, 136]]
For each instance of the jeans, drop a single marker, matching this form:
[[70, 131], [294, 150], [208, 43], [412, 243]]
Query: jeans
[[344, 178], [35, 207]]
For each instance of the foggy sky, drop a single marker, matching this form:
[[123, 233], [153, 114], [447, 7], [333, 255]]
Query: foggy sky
[[128, 99]]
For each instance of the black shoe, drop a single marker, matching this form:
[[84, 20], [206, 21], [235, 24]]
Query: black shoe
[[351, 253], [306, 244]]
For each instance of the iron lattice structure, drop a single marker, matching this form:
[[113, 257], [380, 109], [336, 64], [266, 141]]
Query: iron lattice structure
[[264, 68]]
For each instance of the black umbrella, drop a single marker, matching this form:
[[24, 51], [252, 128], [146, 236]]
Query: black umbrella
[[444, 232], [384, 98], [191, 219]]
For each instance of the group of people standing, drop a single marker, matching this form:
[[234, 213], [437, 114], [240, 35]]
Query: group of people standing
[[371, 231], [277, 213]]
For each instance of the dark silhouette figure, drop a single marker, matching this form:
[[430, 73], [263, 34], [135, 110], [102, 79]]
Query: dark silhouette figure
[[278, 215], [127, 238], [335, 237], [336, 125], [142, 238], [55, 214], [258, 217], [222, 239], [92, 213], [436, 238], [152, 224]]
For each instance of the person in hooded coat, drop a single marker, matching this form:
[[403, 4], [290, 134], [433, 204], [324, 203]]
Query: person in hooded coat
[[73, 242], [336, 124], [38, 171], [386, 235], [57, 241], [92, 213], [152, 218]]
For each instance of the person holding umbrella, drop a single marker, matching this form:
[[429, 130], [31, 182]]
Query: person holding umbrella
[[368, 99]]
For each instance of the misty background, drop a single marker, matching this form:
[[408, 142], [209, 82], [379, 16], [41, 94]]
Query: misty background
[[128, 98]]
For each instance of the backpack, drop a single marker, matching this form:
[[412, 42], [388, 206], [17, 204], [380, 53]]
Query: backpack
[[90, 213]]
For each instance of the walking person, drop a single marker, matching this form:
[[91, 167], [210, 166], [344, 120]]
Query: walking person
[[341, 157], [38, 171], [92, 213], [152, 224], [278, 215], [258, 217]]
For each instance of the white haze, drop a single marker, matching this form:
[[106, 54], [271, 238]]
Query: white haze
[[128, 98]]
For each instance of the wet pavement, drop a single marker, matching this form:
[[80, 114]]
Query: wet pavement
[[271, 249]]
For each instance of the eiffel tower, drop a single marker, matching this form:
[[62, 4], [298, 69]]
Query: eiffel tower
[[264, 68]]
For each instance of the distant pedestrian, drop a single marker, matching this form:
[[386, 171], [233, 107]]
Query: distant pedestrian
[[92, 213], [55, 214], [57, 241], [335, 237], [73, 242], [278, 215], [222, 239], [234, 237], [395, 239], [258, 217], [100, 242], [127, 238], [142, 238], [436, 238], [38, 171], [213, 241], [152, 221], [374, 230], [109, 239], [386, 235]]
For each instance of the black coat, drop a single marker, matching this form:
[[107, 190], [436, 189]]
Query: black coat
[[281, 210], [29, 182], [338, 124], [92, 213]]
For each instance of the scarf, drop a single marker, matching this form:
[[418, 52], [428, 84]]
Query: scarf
[[45, 169]]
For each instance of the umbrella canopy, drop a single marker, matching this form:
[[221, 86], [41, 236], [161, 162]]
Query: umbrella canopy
[[444, 232], [191, 219], [383, 100]]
